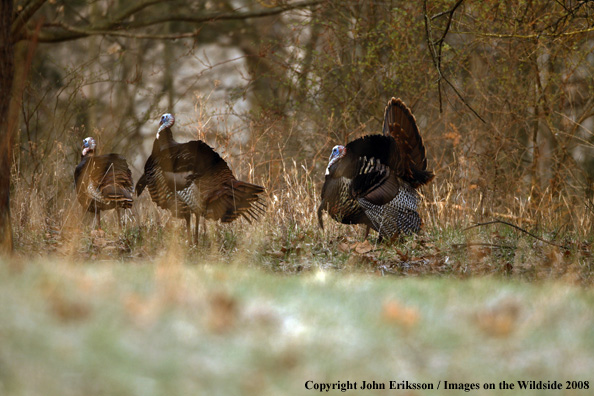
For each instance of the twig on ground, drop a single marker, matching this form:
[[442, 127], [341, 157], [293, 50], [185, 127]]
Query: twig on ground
[[464, 245], [517, 228]]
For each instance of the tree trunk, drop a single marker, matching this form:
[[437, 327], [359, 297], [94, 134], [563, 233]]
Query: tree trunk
[[8, 124]]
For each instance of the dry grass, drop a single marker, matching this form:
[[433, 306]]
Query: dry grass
[[47, 221]]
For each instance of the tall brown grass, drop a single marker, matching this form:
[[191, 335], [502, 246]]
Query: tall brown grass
[[49, 221]]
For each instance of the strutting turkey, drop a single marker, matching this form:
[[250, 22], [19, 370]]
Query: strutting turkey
[[373, 180], [191, 178], [102, 182]]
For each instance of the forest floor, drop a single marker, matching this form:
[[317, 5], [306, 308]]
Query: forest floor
[[496, 248]]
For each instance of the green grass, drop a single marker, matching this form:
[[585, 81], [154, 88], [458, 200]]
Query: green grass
[[170, 327]]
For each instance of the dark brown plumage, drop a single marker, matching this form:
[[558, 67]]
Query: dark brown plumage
[[191, 177], [102, 182], [373, 180]]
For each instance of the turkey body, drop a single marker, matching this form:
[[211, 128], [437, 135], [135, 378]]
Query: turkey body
[[103, 182], [191, 178], [373, 180]]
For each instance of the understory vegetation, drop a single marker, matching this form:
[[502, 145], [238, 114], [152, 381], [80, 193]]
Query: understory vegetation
[[526, 240]]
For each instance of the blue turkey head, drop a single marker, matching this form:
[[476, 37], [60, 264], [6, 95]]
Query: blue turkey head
[[88, 146], [337, 153], [167, 121]]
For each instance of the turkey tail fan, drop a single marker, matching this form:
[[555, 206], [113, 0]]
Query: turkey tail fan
[[320, 218], [237, 199], [420, 177], [116, 183], [247, 200], [118, 194], [141, 184], [400, 123]]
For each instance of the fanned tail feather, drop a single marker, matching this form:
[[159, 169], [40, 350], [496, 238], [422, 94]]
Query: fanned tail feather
[[401, 124], [118, 194], [238, 199], [141, 184]]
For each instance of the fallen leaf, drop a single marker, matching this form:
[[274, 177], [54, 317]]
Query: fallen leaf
[[362, 247], [403, 255], [500, 320], [144, 311], [275, 253], [344, 247], [65, 307], [554, 257], [478, 253], [223, 312], [394, 312]]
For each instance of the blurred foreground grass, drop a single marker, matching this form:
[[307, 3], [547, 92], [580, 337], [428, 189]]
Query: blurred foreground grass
[[170, 328]]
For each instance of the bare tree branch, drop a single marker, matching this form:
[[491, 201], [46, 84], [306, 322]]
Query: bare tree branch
[[222, 16], [86, 33], [517, 228], [529, 36], [116, 26], [136, 8], [23, 17], [448, 25], [436, 53], [470, 244]]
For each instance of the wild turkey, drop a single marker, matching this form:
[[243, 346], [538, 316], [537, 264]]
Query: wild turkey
[[191, 178], [102, 182], [373, 180]]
